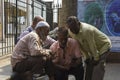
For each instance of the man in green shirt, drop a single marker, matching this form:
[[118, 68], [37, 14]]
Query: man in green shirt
[[94, 44]]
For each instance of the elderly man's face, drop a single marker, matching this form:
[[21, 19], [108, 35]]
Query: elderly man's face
[[43, 32]]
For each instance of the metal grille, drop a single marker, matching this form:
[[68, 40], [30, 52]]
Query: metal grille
[[12, 27], [7, 41]]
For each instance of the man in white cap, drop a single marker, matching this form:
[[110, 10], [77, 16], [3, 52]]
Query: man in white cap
[[28, 56], [36, 19]]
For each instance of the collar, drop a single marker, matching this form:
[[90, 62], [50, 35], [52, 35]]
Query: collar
[[67, 45]]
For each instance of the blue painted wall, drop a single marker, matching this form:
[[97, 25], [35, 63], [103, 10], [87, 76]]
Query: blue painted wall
[[103, 14]]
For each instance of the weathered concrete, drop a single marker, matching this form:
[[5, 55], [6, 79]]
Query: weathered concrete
[[112, 70]]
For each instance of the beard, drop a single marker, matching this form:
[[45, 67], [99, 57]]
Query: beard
[[42, 36]]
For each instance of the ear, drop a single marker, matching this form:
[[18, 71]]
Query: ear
[[33, 22]]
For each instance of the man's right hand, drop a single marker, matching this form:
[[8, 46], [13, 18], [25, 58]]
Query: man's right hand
[[92, 61]]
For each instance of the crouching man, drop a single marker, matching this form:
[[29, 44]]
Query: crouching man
[[66, 56], [29, 57]]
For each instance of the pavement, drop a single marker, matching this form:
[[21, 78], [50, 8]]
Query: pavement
[[112, 70], [5, 67]]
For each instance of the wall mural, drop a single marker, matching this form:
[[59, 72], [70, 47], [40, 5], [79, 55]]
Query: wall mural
[[113, 17], [94, 15], [103, 14]]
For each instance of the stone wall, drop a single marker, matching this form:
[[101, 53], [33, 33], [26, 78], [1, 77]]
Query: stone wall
[[69, 8]]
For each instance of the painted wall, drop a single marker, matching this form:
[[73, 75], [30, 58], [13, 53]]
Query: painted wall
[[103, 14]]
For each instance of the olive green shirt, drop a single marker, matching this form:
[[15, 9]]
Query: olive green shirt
[[92, 41]]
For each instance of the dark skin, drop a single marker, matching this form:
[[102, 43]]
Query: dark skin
[[74, 27], [62, 40]]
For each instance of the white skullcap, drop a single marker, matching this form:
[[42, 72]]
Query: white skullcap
[[42, 24]]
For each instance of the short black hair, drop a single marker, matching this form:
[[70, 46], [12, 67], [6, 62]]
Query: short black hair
[[72, 19], [63, 31]]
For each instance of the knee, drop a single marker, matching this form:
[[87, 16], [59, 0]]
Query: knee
[[21, 76], [15, 76]]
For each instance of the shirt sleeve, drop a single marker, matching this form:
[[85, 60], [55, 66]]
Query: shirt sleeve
[[36, 48], [53, 47], [105, 47], [104, 42], [49, 41], [23, 34], [54, 50], [98, 43], [77, 49]]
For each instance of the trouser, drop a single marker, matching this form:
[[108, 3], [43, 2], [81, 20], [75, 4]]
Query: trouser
[[96, 72], [62, 74], [34, 65]]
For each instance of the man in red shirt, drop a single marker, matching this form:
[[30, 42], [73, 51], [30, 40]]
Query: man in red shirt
[[67, 56]]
